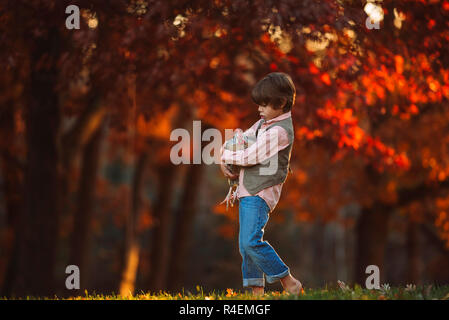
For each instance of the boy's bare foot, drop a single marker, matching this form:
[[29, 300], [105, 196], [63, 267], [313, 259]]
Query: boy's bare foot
[[258, 291], [291, 285]]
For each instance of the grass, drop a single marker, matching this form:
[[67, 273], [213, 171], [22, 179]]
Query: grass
[[341, 292]]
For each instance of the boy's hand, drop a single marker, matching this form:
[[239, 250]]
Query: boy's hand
[[227, 173]]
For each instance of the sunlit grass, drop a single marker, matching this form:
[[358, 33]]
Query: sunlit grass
[[427, 292]]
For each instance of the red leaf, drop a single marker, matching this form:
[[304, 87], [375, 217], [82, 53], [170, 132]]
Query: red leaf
[[326, 79]]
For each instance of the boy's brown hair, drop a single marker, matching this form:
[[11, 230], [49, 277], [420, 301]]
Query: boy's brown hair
[[275, 89]]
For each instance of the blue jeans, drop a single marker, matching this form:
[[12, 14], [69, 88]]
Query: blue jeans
[[258, 256]]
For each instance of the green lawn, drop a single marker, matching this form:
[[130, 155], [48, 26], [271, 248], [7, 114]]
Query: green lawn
[[344, 292]]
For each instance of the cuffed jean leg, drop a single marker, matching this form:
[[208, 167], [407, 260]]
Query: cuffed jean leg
[[252, 275], [253, 215]]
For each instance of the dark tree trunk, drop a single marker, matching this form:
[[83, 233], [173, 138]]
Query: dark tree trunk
[[160, 245], [166, 173], [437, 268], [320, 251], [40, 218], [11, 171], [183, 227], [79, 248], [412, 253], [74, 141], [132, 248], [371, 238]]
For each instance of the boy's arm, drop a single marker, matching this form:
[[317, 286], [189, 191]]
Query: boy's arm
[[267, 145]]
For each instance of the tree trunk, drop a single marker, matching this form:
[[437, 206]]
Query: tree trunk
[[12, 178], [40, 218], [412, 253], [79, 248], [318, 251], [183, 227], [341, 267], [132, 248], [160, 241], [160, 245], [371, 238]]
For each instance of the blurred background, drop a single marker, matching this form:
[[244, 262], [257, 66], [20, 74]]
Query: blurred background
[[86, 116]]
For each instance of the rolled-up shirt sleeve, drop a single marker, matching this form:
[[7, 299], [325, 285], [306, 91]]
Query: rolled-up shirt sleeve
[[267, 145]]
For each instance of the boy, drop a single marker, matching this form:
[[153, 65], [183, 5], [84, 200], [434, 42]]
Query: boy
[[258, 192]]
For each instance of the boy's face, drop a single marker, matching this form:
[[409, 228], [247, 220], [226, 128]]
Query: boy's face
[[267, 112]]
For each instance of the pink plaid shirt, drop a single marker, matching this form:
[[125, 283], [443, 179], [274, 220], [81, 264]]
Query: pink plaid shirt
[[255, 154]]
